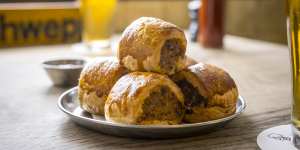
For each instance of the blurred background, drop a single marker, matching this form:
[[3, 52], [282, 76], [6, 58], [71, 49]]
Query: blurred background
[[256, 19]]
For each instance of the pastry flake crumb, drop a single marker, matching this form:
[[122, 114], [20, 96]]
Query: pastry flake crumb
[[130, 62]]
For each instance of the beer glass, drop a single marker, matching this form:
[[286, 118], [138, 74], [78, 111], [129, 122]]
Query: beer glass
[[293, 28], [97, 24]]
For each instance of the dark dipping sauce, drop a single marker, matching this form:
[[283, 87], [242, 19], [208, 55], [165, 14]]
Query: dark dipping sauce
[[163, 105], [191, 96], [169, 54]]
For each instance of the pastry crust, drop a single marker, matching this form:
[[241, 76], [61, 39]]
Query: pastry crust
[[210, 92], [96, 80], [151, 44], [128, 100], [189, 61]]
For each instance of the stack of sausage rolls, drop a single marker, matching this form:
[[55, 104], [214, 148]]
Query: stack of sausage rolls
[[152, 82]]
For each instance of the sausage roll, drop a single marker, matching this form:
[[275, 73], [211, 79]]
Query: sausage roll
[[151, 44], [96, 80], [189, 61], [210, 93], [145, 98]]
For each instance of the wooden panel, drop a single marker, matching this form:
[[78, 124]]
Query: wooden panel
[[173, 11], [259, 19]]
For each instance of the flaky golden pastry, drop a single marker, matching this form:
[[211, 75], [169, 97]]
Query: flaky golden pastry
[[96, 80], [145, 98], [151, 44], [210, 93]]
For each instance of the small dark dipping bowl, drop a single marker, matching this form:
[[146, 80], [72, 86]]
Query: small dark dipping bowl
[[64, 72]]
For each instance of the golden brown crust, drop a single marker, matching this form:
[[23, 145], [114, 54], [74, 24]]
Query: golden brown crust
[[217, 88], [96, 80], [215, 80], [189, 61], [142, 41], [125, 101]]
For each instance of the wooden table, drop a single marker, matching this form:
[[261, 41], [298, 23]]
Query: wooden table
[[30, 119]]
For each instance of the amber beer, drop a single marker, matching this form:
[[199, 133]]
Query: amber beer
[[293, 26], [97, 20]]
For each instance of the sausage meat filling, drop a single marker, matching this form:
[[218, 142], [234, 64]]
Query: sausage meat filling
[[169, 54], [191, 96], [162, 104]]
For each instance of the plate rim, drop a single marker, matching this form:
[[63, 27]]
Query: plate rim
[[216, 121]]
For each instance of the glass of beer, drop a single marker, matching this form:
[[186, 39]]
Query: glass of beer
[[97, 24], [293, 27]]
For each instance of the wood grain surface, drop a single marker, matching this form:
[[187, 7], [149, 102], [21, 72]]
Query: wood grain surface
[[30, 119]]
